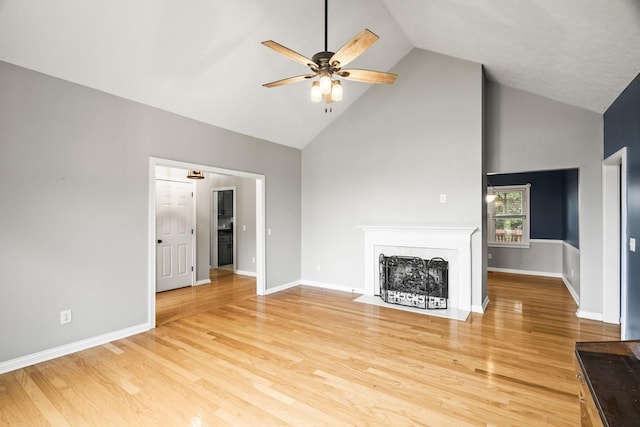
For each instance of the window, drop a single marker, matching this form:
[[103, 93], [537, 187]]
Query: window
[[508, 216]]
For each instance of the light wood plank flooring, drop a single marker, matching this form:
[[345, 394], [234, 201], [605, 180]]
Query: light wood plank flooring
[[225, 287], [307, 356]]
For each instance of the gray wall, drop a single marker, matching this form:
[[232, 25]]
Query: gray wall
[[74, 177], [246, 215], [526, 132], [387, 159], [571, 267], [542, 256]]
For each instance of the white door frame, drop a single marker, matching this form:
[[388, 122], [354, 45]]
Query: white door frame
[[213, 231], [260, 225], [614, 220]]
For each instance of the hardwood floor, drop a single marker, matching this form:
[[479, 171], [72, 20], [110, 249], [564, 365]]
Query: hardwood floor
[[309, 356], [225, 287]]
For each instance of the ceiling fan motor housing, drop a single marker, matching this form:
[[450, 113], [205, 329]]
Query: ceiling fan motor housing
[[321, 62]]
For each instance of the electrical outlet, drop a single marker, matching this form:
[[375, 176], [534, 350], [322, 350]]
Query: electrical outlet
[[318, 267], [632, 244], [65, 317], [490, 256], [443, 198], [268, 232], [244, 228], [253, 260]]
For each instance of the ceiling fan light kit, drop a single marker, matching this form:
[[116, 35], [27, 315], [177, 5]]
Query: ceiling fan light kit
[[316, 92], [336, 90], [325, 65]]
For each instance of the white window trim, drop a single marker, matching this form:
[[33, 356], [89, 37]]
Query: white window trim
[[526, 227]]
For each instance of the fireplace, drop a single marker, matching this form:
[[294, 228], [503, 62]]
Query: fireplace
[[451, 245], [414, 282]]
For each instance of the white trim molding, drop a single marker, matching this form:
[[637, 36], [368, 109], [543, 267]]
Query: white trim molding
[[280, 288], [575, 296], [524, 272], [246, 273], [615, 238], [203, 282], [588, 315], [483, 307], [332, 286], [63, 350]]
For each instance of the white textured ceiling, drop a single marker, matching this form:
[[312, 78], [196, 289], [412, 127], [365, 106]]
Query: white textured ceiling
[[203, 58]]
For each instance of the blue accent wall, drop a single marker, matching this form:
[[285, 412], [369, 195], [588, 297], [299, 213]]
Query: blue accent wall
[[622, 129], [554, 208]]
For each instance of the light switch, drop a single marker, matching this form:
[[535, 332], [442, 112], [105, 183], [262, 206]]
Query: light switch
[[632, 244], [268, 232], [244, 228]]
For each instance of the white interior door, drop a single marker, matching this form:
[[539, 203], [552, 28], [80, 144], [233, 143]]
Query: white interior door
[[174, 235]]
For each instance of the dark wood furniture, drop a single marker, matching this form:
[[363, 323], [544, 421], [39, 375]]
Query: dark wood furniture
[[609, 375]]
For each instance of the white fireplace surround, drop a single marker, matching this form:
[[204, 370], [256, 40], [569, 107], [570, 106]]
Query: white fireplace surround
[[453, 242]]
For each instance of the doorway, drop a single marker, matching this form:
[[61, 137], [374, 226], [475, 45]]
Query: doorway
[[614, 218], [223, 238], [260, 287]]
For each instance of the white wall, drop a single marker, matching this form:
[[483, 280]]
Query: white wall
[[526, 132], [76, 226], [386, 161]]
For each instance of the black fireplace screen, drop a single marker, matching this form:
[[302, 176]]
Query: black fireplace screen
[[414, 282]]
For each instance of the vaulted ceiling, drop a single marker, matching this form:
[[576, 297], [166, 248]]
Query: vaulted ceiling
[[203, 59]]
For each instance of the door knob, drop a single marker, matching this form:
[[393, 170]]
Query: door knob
[[159, 241]]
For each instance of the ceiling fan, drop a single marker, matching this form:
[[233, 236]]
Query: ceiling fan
[[327, 65]]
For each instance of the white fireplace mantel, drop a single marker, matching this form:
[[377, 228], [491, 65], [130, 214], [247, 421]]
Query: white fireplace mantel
[[448, 238]]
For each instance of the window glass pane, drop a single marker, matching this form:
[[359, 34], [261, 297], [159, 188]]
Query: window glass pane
[[509, 230], [509, 203]]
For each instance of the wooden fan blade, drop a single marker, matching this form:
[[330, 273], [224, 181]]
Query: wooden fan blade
[[354, 48], [366, 76], [289, 53], [289, 80]]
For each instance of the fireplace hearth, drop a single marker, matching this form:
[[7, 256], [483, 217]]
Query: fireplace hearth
[[414, 282]]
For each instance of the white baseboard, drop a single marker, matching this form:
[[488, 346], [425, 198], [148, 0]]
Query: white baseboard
[[588, 315], [571, 247], [246, 273], [525, 272], [315, 284], [53, 353], [570, 289], [332, 286], [203, 282], [482, 308], [273, 290]]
